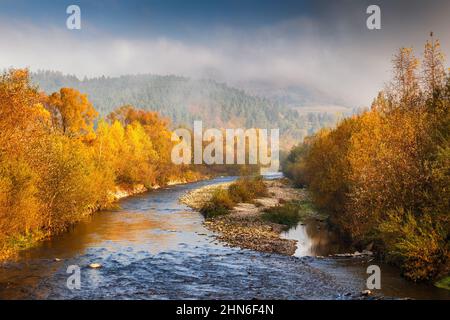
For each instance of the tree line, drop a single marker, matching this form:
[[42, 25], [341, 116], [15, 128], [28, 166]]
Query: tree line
[[59, 162], [185, 100], [384, 175]]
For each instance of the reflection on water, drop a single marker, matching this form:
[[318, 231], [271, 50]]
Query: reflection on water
[[144, 225], [153, 247], [314, 239]]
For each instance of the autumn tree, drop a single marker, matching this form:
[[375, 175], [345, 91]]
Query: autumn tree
[[405, 89], [383, 176], [66, 180], [55, 168], [381, 103], [22, 115], [72, 113], [22, 123], [159, 134], [433, 70]]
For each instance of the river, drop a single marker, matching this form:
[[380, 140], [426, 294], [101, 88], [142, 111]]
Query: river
[[153, 247]]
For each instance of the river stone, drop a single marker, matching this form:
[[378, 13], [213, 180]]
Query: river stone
[[366, 293]]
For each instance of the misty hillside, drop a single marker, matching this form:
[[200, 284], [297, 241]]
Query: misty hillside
[[291, 95], [184, 100]]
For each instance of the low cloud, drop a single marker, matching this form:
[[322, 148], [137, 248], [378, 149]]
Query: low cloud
[[338, 57]]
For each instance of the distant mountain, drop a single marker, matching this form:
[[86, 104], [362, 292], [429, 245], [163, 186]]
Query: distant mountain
[[184, 100], [291, 96]]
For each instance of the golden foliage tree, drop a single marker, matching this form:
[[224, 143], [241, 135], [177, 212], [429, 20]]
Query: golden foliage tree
[[433, 67], [384, 175], [72, 113], [405, 89], [55, 168]]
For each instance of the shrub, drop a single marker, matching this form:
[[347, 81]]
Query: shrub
[[247, 189], [416, 244], [219, 204], [286, 214], [443, 283], [243, 190]]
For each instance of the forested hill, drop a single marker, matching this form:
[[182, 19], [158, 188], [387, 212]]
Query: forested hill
[[184, 100]]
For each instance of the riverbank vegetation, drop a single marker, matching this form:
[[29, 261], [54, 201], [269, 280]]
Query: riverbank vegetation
[[59, 162], [240, 223], [384, 175], [245, 189], [290, 213], [286, 214]]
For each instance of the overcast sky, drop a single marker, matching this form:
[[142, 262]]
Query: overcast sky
[[320, 44]]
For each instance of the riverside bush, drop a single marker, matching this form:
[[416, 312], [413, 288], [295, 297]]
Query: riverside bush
[[218, 205], [286, 214], [245, 189], [417, 244]]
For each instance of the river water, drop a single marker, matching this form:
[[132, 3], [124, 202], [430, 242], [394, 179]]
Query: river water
[[153, 247]]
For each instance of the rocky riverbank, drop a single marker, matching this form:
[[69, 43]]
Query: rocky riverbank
[[244, 226], [124, 191]]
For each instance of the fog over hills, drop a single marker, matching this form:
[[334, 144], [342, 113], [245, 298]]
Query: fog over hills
[[291, 95], [184, 100]]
